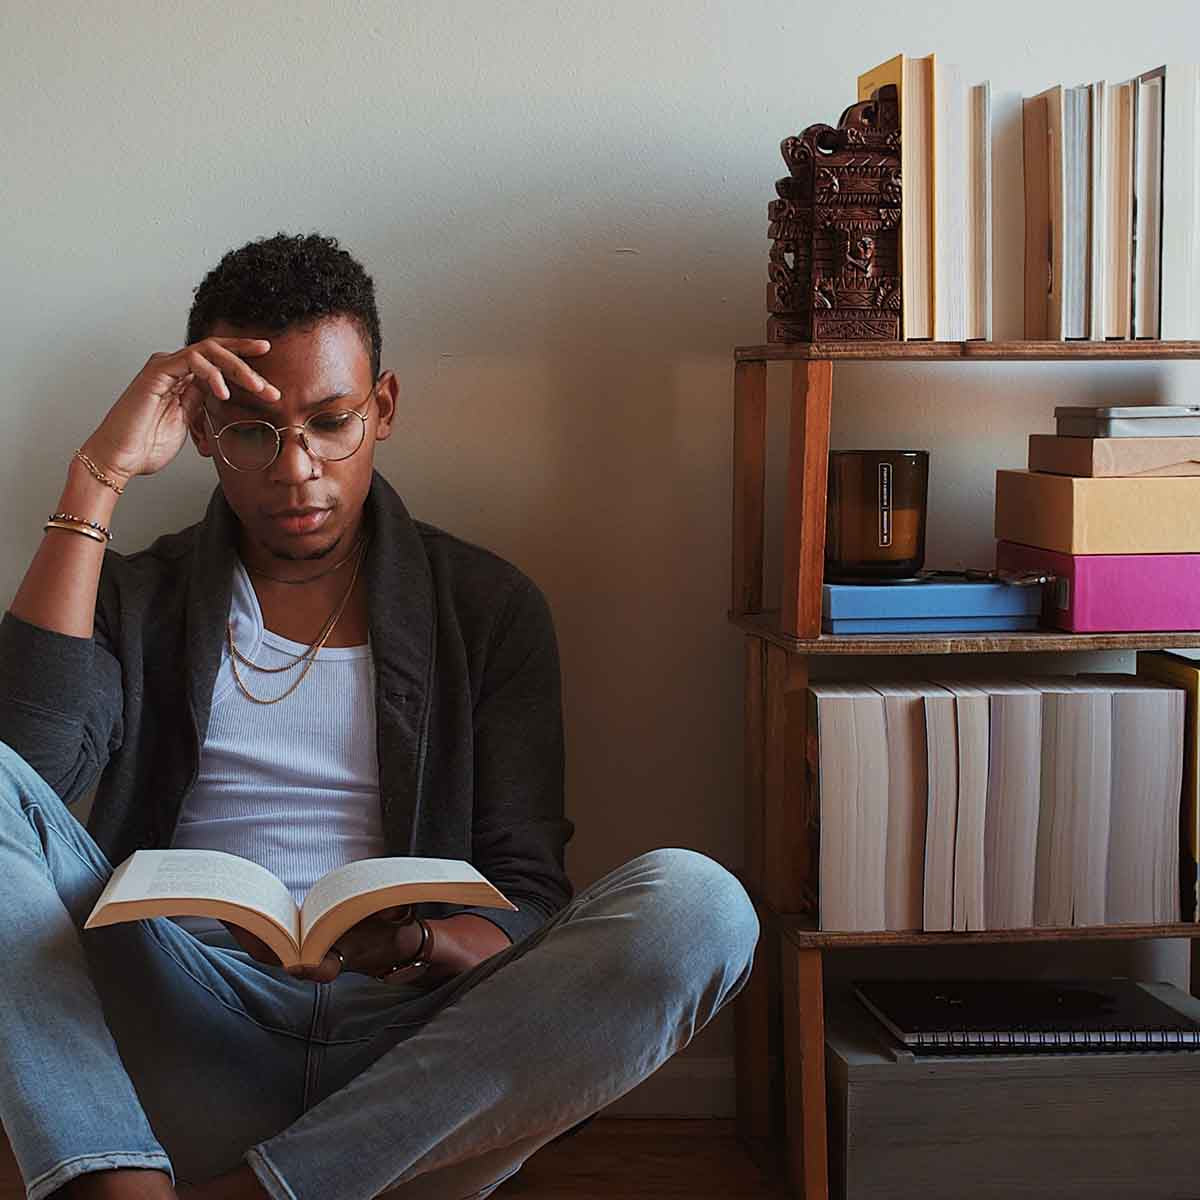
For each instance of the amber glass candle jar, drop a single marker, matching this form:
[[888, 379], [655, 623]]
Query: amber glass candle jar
[[875, 514]]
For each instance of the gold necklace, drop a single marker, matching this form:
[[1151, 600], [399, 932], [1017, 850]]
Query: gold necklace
[[341, 562], [321, 637], [309, 656]]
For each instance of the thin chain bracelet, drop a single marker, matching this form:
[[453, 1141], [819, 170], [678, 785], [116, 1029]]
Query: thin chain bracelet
[[98, 474], [104, 529]]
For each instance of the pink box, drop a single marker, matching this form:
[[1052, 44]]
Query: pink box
[[1112, 593]]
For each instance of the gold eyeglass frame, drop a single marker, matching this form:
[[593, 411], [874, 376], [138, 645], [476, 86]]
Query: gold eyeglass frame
[[280, 430]]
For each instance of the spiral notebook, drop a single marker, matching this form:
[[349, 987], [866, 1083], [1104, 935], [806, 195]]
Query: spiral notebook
[[979, 1016]]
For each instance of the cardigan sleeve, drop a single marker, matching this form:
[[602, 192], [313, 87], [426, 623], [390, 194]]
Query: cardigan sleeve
[[60, 703], [519, 831]]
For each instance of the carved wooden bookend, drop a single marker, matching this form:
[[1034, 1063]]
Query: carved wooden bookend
[[834, 266]]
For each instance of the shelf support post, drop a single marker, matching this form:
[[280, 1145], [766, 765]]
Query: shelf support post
[[754, 760], [804, 1050], [804, 516], [789, 875], [749, 476], [757, 1030]]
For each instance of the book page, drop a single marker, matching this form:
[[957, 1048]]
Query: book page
[[203, 875], [450, 881]]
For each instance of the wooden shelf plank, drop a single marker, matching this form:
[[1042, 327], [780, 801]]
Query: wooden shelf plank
[[1080, 351], [766, 626], [803, 933]]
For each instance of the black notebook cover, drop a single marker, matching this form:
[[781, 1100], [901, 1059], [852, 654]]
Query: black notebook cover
[[942, 1016]]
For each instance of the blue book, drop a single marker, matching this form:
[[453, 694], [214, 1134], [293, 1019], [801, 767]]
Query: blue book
[[935, 606], [930, 625]]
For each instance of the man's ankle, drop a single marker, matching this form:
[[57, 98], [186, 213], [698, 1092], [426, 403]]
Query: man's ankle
[[122, 1183]]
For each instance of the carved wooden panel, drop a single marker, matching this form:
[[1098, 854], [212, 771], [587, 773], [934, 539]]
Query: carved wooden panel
[[834, 266]]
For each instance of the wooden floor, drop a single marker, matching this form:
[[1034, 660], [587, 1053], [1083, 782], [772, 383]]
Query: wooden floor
[[610, 1159], [614, 1159]]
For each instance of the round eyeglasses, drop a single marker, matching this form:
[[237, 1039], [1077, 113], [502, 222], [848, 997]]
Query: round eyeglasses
[[254, 445]]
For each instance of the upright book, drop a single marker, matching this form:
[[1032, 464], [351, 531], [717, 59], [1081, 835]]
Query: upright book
[[1181, 670], [1144, 816], [1014, 789], [907, 800], [1072, 845], [1098, 167], [1042, 123], [913, 79], [979, 213], [1148, 99], [1180, 305], [951, 202], [1117, 264], [852, 794]]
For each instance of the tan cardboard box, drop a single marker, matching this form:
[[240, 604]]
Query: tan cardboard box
[[1114, 456], [1099, 516]]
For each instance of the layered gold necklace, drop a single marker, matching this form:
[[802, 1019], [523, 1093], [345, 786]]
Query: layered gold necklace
[[307, 658]]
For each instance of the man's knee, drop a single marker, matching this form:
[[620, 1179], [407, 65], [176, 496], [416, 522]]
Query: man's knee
[[702, 906]]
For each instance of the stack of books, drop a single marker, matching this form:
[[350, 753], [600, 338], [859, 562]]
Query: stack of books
[[1108, 506], [945, 166], [996, 804], [1112, 227]]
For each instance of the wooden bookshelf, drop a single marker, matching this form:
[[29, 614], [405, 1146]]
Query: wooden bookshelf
[[803, 933], [1077, 351], [784, 1000], [766, 626]]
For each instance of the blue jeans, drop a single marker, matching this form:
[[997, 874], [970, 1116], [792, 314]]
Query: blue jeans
[[142, 1045]]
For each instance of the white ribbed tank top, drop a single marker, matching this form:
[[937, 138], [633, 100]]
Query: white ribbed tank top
[[294, 785]]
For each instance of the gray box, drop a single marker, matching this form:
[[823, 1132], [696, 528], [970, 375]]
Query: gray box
[[1082, 1126], [1132, 420]]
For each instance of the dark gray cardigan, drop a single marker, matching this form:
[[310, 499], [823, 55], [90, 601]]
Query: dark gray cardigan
[[467, 700]]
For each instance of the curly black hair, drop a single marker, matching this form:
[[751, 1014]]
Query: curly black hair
[[282, 281]]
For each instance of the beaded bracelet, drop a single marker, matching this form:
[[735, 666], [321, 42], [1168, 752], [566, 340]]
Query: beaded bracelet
[[99, 474], [62, 520]]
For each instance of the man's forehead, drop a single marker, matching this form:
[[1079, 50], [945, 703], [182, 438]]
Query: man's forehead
[[320, 359]]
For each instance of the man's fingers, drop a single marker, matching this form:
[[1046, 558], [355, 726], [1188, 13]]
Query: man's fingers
[[242, 374], [254, 946], [326, 971], [400, 914]]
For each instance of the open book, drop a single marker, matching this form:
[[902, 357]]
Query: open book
[[212, 883]]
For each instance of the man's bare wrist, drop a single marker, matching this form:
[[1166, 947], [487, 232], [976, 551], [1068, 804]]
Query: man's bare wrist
[[87, 496]]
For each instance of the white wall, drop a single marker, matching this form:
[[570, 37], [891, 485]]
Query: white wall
[[564, 208]]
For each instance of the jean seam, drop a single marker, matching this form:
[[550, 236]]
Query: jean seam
[[241, 1012], [54, 829]]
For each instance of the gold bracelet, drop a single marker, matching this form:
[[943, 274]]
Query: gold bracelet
[[99, 474], [74, 527]]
